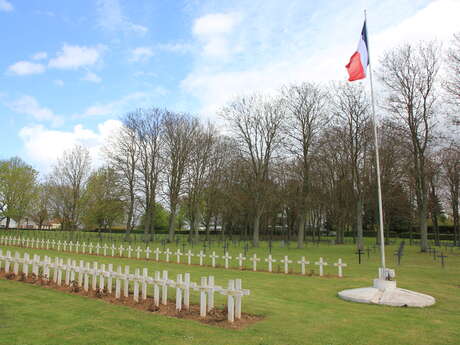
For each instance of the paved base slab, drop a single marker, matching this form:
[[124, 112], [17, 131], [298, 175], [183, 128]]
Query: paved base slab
[[395, 297]]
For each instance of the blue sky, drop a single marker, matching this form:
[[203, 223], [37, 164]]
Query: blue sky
[[69, 69]]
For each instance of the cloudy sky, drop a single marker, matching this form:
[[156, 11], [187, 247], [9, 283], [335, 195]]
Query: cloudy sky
[[69, 69]]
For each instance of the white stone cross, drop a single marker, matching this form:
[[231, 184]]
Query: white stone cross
[[178, 255], [90, 247], [179, 286], [121, 249], [213, 259], [189, 255], [145, 276], [129, 251], [113, 249], [47, 244], [42, 243], [126, 282], [59, 245], [254, 260], [138, 252], [286, 263], [164, 288], [98, 246], [105, 247], [201, 256], [240, 259], [53, 244], [302, 263], [156, 288], [64, 245], [226, 257], [339, 265], [157, 253], [270, 261], [136, 285], [70, 246], [168, 253], [234, 294], [203, 288], [32, 242], [118, 282], [77, 247], [147, 252], [321, 263], [83, 246]]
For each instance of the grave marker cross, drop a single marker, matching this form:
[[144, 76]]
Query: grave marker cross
[[213, 258], [339, 265], [286, 263], [240, 259], [359, 252], [270, 261], [302, 263], [321, 263], [168, 253], [226, 257], [442, 257], [189, 255], [254, 260], [201, 256]]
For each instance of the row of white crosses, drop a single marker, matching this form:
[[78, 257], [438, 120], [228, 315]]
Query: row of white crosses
[[168, 254], [104, 277]]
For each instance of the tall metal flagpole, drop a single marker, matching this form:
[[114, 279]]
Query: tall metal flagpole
[[377, 158]]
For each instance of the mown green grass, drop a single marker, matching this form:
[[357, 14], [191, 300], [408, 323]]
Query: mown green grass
[[297, 309]]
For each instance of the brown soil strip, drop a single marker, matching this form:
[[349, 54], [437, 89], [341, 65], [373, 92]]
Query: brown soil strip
[[215, 317]]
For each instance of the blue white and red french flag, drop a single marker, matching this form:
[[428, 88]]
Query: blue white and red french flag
[[357, 67]]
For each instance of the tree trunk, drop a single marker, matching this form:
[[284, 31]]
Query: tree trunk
[[255, 238], [423, 227], [7, 226], [359, 224], [171, 223], [301, 231], [147, 223]]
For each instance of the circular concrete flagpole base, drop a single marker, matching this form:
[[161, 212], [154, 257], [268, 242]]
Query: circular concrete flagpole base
[[385, 292]]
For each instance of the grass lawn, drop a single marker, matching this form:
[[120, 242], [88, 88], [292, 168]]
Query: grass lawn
[[297, 309]]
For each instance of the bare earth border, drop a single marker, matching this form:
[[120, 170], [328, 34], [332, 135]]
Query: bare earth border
[[215, 317]]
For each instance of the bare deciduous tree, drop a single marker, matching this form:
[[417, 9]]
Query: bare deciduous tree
[[306, 117], [68, 181], [122, 153], [408, 74], [179, 131], [256, 122], [149, 127], [450, 158], [351, 110]]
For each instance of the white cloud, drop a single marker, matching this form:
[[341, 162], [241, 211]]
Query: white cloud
[[43, 146], [73, 56], [111, 18], [213, 31], [92, 77], [180, 48], [124, 104], [26, 68], [6, 6], [277, 45], [59, 82], [28, 105], [39, 56], [141, 54]]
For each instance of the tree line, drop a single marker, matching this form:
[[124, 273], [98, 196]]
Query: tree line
[[302, 160]]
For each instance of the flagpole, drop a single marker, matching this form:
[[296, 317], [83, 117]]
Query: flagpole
[[377, 158]]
